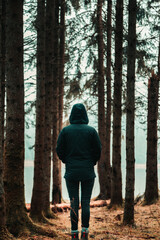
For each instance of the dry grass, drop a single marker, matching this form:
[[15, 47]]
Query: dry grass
[[108, 224]]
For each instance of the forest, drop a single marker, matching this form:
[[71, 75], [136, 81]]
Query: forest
[[54, 53]]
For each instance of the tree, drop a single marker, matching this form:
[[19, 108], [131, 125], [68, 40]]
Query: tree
[[49, 58], [38, 185], [109, 98], [151, 190], [102, 168], [14, 144], [4, 234], [2, 65], [130, 110], [17, 219], [62, 62], [61, 81], [56, 191], [116, 184]]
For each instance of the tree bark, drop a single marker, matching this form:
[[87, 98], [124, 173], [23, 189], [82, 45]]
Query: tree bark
[[3, 230], [3, 55], [61, 65], [102, 167], [130, 109], [151, 190], [14, 145], [61, 79], [50, 18], [38, 185], [56, 191], [109, 98], [116, 184], [17, 219]]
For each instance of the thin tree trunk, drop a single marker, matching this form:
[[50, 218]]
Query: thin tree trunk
[[130, 108], [61, 66], [102, 167], [38, 185], [50, 11], [56, 192], [159, 60], [151, 191], [61, 77], [109, 98], [116, 184]]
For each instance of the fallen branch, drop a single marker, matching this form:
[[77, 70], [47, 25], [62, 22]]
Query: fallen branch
[[64, 207]]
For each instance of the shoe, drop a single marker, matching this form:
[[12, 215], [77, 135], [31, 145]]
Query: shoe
[[75, 236], [84, 235]]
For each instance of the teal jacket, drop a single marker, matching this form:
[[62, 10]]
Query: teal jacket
[[79, 146]]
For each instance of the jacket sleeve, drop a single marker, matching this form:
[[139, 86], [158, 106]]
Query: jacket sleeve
[[60, 148], [97, 147]]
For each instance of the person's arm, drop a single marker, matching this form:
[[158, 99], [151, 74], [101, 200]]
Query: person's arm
[[60, 148], [97, 147]]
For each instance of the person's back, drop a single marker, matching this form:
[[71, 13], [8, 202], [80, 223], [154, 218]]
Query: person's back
[[79, 147]]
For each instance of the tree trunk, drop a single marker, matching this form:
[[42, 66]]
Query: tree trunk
[[56, 192], [61, 65], [2, 74], [109, 98], [130, 109], [14, 145], [50, 9], [17, 219], [102, 167], [3, 230], [38, 185], [151, 191], [61, 78], [116, 184]]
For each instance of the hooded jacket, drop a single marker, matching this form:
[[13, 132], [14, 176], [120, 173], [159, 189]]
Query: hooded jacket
[[79, 146]]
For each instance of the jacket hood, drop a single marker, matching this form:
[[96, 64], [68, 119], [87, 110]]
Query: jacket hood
[[78, 114]]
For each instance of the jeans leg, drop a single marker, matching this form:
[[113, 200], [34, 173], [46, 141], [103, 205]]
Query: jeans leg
[[73, 191], [86, 192]]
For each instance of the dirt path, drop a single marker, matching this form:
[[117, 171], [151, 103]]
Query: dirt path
[[107, 224]]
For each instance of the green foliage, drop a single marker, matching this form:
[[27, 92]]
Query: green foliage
[[81, 45]]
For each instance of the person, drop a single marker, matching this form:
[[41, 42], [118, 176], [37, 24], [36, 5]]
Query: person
[[79, 147]]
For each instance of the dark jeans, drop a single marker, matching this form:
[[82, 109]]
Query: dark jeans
[[86, 191]]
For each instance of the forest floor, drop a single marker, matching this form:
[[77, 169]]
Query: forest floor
[[107, 223]]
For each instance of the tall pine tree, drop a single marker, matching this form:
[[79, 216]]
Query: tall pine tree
[[116, 184], [3, 230], [56, 191], [14, 144], [109, 98], [102, 168], [151, 190], [130, 110], [38, 185], [49, 56]]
